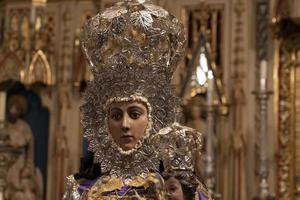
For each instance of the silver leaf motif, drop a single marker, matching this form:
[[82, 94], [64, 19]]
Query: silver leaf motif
[[142, 19]]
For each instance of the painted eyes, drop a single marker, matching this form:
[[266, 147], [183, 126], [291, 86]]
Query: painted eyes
[[116, 116], [172, 188], [132, 114]]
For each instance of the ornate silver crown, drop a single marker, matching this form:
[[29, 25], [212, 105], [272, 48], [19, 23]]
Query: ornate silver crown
[[133, 49], [133, 33]]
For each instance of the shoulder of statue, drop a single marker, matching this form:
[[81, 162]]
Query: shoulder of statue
[[71, 192], [178, 147], [203, 193], [25, 127]]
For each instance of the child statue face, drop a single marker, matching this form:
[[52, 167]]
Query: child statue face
[[127, 123], [174, 189]]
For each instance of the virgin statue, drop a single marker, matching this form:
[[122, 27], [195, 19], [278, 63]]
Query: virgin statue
[[130, 110], [20, 177]]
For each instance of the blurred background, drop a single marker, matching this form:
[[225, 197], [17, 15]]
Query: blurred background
[[239, 83]]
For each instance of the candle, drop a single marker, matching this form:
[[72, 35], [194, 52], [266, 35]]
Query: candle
[[2, 106], [263, 75], [210, 87]]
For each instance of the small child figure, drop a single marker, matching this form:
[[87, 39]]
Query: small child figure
[[182, 185]]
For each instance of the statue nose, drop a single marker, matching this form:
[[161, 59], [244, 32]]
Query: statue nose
[[125, 129], [126, 123]]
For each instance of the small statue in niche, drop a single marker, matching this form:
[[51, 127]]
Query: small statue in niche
[[195, 114], [20, 137], [195, 117]]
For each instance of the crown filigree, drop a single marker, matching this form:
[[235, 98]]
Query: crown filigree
[[132, 32]]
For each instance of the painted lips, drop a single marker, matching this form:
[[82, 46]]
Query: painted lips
[[127, 137]]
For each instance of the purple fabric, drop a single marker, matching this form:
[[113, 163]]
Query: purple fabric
[[124, 190], [202, 196], [86, 185], [128, 191]]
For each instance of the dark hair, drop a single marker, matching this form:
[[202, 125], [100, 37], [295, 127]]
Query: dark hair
[[88, 169], [187, 181]]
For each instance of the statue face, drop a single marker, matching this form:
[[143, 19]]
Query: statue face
[[174, 189], [14, 113], [127, 123]]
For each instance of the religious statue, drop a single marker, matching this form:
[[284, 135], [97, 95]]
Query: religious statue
[[130, 109], [182, 187], [20, 177], [195, 113]]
